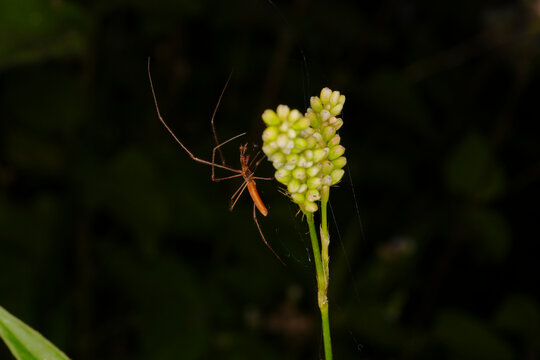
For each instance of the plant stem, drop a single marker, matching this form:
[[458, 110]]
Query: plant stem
[[322, 285], [326, 333]]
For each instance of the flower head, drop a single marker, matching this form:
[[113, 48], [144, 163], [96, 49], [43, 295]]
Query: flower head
[[305, 149]]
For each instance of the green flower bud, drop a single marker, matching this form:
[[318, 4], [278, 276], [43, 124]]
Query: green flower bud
[[337, 124], [337, 175], [314, 119], [282, 140], [327, 180], [300, 143], [301, 124], [325, 115], [308, 154], [294, 115], [293, 186], [303, 162], [313, 195], [298, 198], [319, 139], [314, 182], [334, 98], [342, 99], [320, 154], [313, 171], [288, 147], [292, 159], [328, 132], [334, 141], [311, 142], [325, 95], [291, 133], [316, 103], [340, 162], [336, 110], [309, 206], [299, 174], [336, 152], [269, 149], [283, 112], [327, 167], [283, 176], [303, 188], [278, 159], [270, 118], [307, 132], [270, 133]]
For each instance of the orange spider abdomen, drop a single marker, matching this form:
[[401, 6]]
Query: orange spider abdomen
[[256, 198]]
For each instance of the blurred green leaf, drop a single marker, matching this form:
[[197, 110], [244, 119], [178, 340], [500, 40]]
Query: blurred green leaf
[[36, 30], [491, 232], [134, 195], [165, 294], [392, 95], [472, 170], [24, 342], [32, 153], [519, 314], [466, 337]]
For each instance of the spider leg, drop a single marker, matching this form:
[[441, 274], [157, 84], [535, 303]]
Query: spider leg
[[262, 178], [255, 159], [262, 235], [214, 115], [237, 194], [214, 157], [227, 177], [193, 157], [257, 164]]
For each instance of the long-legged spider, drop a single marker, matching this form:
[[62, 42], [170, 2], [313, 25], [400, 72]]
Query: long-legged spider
[[245, 171]]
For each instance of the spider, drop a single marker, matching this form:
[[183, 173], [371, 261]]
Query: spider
[[245, 164]]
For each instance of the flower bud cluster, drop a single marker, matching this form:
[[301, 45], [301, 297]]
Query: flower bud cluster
[[305, 149]]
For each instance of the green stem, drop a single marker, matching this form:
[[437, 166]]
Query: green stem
[[326, 333], [322, 283], [316, 253]]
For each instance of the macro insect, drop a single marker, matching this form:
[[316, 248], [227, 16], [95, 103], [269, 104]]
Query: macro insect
[[246, 164]]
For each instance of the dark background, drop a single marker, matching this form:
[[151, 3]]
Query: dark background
[[116, 245]]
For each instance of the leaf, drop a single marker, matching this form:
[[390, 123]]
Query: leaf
[[472, 170], [519, 314], [35, 30], [466, 337], [491, 233], [24, 342]]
